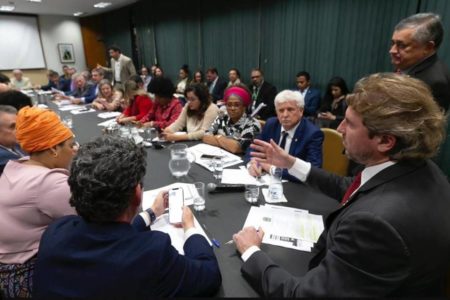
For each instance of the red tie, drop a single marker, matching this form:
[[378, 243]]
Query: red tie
[[355, 184]]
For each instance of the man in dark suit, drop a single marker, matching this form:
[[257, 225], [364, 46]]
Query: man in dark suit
[[262, 92], [216, 84], [84, 92], [9, 148], [103, 253], [415, 42], [391, 235], [298, 136], [311, 95]]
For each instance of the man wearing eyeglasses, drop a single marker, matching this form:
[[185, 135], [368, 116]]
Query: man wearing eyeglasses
[[9, 149], [414, 44]]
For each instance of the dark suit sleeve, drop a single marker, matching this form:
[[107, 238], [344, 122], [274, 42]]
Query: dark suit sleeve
[[90, 95], [330, 184], [194, 274], [367, 257], [219, 90], [314, 149], [269, 100], [312, 106], [139, 224]]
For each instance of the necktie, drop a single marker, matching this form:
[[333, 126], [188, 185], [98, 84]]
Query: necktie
[[283, 139], [255, 93], [355, 184]]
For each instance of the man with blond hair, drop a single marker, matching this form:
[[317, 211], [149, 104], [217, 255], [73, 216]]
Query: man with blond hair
[[390, 236]]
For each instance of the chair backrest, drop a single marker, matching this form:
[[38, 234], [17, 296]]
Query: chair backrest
[[334, 159]]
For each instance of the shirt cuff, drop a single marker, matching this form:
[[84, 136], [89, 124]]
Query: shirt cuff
[[82, 99], [146, 217], [249, 252], [191, 231], [300, 169]]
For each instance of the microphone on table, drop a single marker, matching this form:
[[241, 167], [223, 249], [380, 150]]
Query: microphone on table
[[224, 188]]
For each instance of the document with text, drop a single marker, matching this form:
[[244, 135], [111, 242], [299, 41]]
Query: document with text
[[285, 226]]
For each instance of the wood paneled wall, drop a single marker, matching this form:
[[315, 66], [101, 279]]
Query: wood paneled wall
[[94, 47]]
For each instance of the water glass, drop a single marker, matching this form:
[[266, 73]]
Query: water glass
[[67, 120], [178, 151], [251, 193], [199, 199], [218, 168]]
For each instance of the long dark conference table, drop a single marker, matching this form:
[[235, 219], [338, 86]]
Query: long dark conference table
[[225, 213]]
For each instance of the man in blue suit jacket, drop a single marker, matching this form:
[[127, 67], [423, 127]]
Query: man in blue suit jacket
[[9, 149], [216, 84], [303, 139], [102, 253], [310, 95]]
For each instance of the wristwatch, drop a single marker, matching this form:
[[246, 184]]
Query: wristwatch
[[151, 214]]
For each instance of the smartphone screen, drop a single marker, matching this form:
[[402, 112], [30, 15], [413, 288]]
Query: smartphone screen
[[176, 200]]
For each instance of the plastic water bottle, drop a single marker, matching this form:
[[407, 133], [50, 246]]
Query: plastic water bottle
[[275, 186]]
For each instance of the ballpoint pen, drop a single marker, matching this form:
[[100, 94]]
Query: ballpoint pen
[[213, 240]]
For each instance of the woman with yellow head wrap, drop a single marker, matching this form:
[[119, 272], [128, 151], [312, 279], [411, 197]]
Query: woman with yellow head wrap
[[34, 193]]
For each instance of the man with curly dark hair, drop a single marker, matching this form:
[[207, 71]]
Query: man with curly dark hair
[[106, 254]]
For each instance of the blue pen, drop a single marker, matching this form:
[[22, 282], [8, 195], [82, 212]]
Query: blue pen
[[213, 240], [215, 243]]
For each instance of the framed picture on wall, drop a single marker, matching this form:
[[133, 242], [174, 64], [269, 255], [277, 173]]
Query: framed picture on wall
[[66, 54]]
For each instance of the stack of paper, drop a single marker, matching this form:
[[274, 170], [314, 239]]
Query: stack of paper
[[109, 114], [81, 110], [285, 226], [107, 123], [228, 159]]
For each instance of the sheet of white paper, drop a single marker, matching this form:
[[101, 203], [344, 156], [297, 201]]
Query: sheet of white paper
[[265, 193], [109, 114], [189, 191], [107, 123], [286, 227], [176, 233], [81, 111], [229, 159], [241, 176], [69, 107]]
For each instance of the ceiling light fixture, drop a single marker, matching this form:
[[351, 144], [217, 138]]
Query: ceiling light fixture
[[8, 7], [78, 13], [102, 4], [34, 1]]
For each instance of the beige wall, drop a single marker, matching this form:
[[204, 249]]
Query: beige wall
[[38, 76]]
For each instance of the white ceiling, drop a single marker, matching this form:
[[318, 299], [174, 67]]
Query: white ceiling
[[63, 7]]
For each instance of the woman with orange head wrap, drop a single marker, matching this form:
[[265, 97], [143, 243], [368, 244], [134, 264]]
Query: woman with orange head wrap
[[34, 193]]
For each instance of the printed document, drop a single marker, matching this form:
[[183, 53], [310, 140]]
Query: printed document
[[286, 227]]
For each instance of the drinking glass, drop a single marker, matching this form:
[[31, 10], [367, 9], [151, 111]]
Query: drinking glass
[[251, 193], [67, 120], [218, 168], [199, 200]]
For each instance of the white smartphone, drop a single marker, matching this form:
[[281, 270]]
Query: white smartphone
[[176, 202]]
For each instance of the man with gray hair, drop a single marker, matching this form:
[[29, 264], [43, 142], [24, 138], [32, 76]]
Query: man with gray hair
[[414, 46], [295, 134], [9, 149], [19, 82]]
